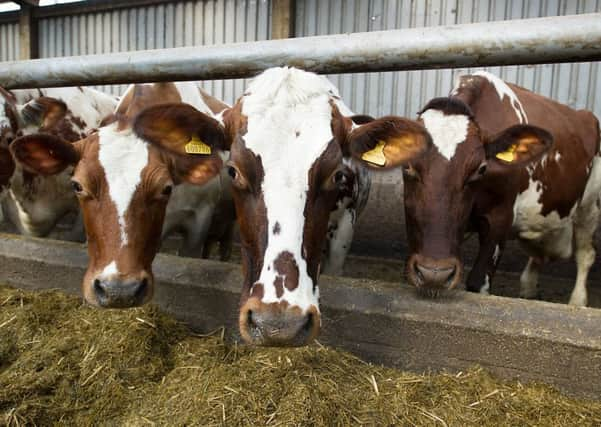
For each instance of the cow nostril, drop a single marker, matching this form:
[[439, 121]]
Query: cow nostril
[[309, 323], [249, 319], [418, 273], [141, 289], [98, 289]]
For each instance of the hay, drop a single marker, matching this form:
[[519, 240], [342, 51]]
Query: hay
[[65, 363]]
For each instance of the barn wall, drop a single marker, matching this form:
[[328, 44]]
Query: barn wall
[[9, 41], [186, 23], [176, 24], [404, 93]]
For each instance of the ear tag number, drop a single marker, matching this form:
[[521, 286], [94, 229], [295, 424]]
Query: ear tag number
[[196, 146], [376, 155], [507, 156]]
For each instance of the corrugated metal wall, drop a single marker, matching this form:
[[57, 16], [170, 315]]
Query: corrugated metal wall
[[185, 23], [9, 42], [403, 93]]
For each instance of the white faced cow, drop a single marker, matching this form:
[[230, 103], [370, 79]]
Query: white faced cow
[[290, 137], [35, 203], [496, 171], [123, 184]]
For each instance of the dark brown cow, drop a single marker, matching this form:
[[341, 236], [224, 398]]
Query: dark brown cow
[[290, 136], [123, 185], [493, 173]]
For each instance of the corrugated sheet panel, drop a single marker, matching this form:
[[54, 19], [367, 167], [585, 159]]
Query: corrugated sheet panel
[[185, 23], [403, 93], [9, 42]]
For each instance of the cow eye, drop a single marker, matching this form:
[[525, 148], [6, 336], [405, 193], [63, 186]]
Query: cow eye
[[340, 178], [232, 172], [76, 186], [409, 171], [478, 173], [167, 190], [238, 179]]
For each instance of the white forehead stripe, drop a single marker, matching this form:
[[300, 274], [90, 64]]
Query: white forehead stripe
[[123, 156], [447, 131], [289, 127], [503, 90], [109, 270]]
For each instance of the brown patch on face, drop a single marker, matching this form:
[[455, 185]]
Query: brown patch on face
[[279, 286], [285, 266], [277, 228], [257, 291], [321, 201]]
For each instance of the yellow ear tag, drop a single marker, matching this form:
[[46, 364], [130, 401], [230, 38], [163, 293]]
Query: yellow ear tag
[[196, 146], [376, 155], [507, 156]]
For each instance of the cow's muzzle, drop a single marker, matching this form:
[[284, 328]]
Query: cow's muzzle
[[434, 274], [118, 292], [278, 324]]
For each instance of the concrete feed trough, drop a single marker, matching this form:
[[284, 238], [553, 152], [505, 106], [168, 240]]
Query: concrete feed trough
[[381, 322]]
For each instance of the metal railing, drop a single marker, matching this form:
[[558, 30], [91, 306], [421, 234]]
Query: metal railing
[[530, 41]]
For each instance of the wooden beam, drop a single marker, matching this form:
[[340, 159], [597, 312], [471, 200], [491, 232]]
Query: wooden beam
[[28, 33], [282, 19]]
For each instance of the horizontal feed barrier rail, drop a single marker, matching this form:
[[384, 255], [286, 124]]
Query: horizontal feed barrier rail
[[530, 41]]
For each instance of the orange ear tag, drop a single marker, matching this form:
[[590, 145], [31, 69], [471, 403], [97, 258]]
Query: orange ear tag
[[196, 146], [376, 155], [507, 156]]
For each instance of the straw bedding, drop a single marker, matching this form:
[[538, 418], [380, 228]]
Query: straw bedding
[[62, 362]]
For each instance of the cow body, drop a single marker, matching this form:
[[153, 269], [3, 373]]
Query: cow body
[[35, 203], [550, 202]]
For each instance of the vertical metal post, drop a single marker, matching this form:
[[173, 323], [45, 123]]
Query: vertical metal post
[[282, 19], [28, 34]]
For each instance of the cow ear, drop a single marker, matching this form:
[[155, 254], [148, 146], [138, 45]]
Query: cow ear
[[194, 170], [388, 142], [518, 145], [44, 154], [43, 112], [180, 128], [192, 140]]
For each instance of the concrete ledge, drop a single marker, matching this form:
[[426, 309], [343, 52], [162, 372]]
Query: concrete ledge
[[381, 322]]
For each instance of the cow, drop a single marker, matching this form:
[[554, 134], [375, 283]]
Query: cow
[[507, 163], [34, 203], [296, 191], [123, 184]]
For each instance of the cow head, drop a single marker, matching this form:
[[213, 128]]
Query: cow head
[[440, 188], [123, 185], [43, 208], [288, 134]]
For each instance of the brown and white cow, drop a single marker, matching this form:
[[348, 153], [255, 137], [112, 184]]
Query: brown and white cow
[[34, 203], [123, 184], [495, 171], [289, 136]]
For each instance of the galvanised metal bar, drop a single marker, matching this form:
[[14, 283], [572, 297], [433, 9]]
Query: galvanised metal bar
[[530, 41]]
